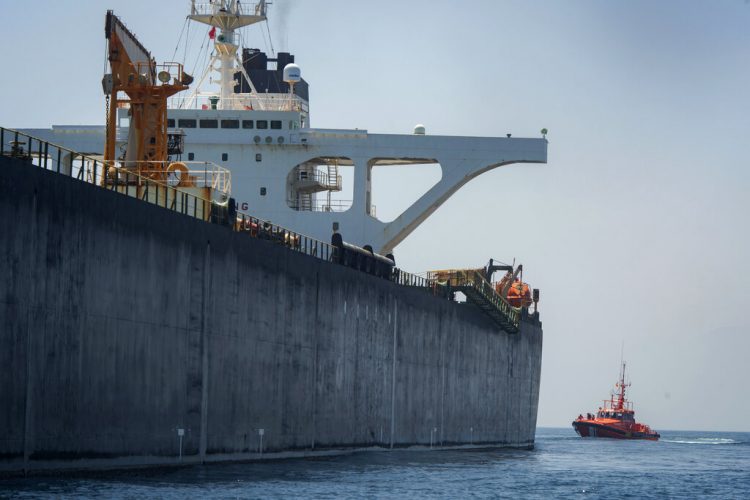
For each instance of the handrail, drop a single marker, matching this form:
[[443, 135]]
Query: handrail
[[321, 205], [320, 177], [146, 185], [242, 102]]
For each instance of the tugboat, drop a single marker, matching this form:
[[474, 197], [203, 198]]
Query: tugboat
[[615, 419]]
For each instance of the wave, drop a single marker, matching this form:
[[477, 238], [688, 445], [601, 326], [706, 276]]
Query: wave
[[703, 440]]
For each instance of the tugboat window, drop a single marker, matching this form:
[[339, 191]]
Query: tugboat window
[[276, 124], [170, 123], [191, 156], [209, 123], [262, 191], [262, 123], [248, 124], [258, 157], [186, 123], [230, 124], [224, 156]]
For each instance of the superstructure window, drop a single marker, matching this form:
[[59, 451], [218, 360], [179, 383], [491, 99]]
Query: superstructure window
[[262, 191], [186, 123], [170, 123], [276, 124], [248, 124], [230, 124], [191, 156], [262, 123], [258, 157], [209, 123], [224, 156]]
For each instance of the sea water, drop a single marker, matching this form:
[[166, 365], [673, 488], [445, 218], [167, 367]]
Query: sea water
[[562, 465]]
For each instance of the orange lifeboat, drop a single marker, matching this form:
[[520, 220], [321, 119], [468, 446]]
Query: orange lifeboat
[[519, 293]]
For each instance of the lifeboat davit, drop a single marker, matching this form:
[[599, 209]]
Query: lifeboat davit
[[615, 419]]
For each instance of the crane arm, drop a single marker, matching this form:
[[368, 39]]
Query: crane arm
[[148, 86], [127, 56]]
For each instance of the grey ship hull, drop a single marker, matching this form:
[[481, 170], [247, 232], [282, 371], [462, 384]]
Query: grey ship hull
[[122, 323]]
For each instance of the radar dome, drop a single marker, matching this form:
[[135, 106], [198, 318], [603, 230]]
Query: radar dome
[[292, 73], [419, 129]]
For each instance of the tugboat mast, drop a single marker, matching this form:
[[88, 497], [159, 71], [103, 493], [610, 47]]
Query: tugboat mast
[[228, 16], [621, 385]]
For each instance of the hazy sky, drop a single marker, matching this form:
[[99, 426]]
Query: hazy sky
[[636, 231]]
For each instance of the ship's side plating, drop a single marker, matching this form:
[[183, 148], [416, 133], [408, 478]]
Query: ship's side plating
[[133, 335]]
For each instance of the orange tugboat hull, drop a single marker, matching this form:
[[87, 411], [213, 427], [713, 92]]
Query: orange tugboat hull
[[591, 428]]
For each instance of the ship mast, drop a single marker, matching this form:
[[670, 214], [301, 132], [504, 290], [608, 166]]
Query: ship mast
[[621, 385], [228, 16]]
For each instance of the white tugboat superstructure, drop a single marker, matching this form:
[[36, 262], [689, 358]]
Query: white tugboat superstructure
[[257, 125]]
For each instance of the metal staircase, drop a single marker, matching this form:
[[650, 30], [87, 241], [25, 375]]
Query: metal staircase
[[479, 291], [304, 201], [308, 179], [332, 177]]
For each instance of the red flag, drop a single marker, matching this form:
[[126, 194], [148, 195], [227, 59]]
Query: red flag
[[212, 32]]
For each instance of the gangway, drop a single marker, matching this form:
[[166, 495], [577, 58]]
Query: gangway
[[472, 283]]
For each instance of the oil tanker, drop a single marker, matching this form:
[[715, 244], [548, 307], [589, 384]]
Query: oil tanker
[[181, 285]]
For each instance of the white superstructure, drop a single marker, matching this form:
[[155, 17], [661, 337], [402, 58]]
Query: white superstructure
[[257, 125]]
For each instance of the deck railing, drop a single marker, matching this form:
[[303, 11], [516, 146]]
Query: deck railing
[[242, 102], [136, 182], [167, 194]]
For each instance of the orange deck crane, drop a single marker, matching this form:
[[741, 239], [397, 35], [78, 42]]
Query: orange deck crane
[[147, 86]]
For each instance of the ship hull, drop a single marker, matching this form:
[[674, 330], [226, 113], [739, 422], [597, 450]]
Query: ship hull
[[135, 336], [592, 429]]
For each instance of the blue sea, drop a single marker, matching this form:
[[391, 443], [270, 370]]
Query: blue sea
[[681, 465]]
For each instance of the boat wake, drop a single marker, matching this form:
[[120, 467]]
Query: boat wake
[[713, 441]]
